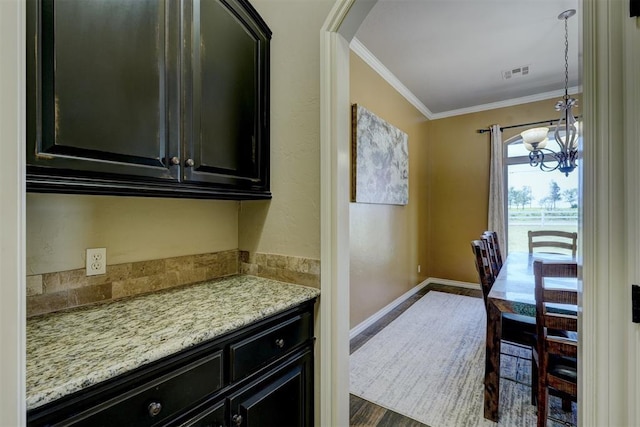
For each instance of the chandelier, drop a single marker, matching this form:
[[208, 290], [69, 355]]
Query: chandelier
[[566, 132]]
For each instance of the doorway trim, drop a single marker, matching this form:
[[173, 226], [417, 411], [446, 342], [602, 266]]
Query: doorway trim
[[334, 219], [604, 328], [12, 213], [603, 392]]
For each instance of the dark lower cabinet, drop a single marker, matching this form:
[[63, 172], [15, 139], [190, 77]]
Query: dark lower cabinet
[[281, 398], [148, 98], [211, 417], [196, 388]]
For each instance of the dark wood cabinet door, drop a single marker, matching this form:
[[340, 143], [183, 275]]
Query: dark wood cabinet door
[[283, 398], [102, 95], [226, 135]]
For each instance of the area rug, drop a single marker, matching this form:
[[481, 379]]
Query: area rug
[[428, 364]]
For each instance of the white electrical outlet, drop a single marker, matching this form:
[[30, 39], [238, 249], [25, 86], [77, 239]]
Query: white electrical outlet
[[96, 261], [418, 268]]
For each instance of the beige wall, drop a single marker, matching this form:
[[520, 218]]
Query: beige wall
[[458, 176], [388, 242], [290, 223], [449, 188], [59, 228]]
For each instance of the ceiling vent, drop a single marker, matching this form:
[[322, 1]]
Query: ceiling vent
[[515, 72]]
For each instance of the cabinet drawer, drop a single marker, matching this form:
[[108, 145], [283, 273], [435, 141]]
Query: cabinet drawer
[[157, 399], [257, 350], [212, 417]]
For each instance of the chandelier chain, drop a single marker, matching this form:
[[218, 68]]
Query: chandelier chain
[[566, 58]]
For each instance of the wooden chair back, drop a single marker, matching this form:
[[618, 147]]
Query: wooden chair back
[[553, 239], [483, 265], [557, 346], [493, 248]]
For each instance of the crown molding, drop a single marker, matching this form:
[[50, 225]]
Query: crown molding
[[359, 49], [507, 103]]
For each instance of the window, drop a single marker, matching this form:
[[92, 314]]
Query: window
[[536, 200]]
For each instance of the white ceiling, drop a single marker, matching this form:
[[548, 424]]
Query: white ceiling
[[449, 55]]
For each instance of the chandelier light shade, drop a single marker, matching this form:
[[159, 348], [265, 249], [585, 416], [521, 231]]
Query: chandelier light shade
[[566, 132], [535, 137]]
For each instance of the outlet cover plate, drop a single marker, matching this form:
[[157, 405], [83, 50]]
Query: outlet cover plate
[[96, 261]]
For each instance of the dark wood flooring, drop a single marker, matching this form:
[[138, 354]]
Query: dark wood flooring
[[364, 413]]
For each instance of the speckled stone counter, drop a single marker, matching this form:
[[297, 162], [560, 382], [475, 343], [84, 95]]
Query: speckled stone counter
[[68, 351]]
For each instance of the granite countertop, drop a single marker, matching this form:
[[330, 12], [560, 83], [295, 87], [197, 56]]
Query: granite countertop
[[68, 351]]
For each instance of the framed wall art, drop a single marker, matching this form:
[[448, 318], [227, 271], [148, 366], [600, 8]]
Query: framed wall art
[[379, 160]]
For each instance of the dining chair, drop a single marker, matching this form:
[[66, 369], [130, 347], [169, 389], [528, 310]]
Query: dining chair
[[553, 239], [556, 351], [496, 244], [516, 328], [483, 266], [493, 248]]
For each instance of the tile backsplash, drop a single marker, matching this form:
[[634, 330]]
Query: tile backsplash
[[61, 290], [285, 268]]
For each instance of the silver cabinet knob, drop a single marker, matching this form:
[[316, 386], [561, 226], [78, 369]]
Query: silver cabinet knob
[[154, 408], [189, 162], [280, 342], [237, 419], [175, 160]]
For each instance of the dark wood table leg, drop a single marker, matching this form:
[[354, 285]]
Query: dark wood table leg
[[492, 362]]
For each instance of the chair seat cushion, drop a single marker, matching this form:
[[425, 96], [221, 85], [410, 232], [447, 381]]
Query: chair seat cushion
[[518, 320], [518, 328], [563, 367]]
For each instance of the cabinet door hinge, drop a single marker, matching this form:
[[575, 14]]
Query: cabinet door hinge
[[635, 303]]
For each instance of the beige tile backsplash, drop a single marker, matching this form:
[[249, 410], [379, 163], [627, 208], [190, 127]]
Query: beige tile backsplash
[[303, 271], [50, 292]]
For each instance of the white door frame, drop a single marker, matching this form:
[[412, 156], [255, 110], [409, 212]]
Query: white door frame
[[631, 93], [604, 369], [610, 390], [334, 220], [605, 393], [12, 213]]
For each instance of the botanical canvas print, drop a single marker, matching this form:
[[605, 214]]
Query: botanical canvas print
[[380, 160]]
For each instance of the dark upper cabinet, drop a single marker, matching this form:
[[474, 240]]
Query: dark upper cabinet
[[226, 119], [97, 88], [148, 97]]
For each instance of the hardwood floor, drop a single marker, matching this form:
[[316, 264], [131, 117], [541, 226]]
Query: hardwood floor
[[364, 413]]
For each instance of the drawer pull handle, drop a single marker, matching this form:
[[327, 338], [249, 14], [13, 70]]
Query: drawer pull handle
[[237, 419], [154, 408], [280, 343]]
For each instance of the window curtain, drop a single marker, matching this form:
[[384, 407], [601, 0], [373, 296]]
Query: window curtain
[[497, 221]]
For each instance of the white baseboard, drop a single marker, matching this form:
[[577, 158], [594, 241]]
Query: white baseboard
[[402, 298], [385, 310], [467, 285]]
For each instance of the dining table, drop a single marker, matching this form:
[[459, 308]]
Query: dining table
[[513, 291]]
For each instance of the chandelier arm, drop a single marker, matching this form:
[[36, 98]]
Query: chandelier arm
[[564, 162], [537, 158]]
